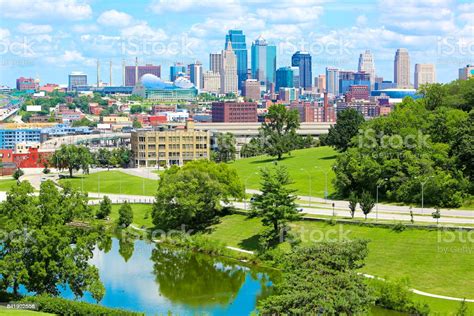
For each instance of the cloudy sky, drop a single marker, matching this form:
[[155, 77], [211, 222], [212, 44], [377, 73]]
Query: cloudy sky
[[50, 38]]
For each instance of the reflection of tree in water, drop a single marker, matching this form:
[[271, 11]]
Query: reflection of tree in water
[[196, 279], [126, 248], [105, 243]]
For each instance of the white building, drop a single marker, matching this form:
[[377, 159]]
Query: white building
[[401, 69], [424, 73], [367, 65], [211, 82], [228, 71]]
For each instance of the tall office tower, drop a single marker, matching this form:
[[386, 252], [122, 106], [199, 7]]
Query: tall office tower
[[296, 76], [303, 61], [77, 79], [211, 82], [251, 89], [228, 71], [424, 73], [466, 72], [195, 74], [263, 62], [284, 78], [321, 83], [366, 64], [133, 72], [215, 62], [176, 69], [332, 80], [401, 68], [237, 38]]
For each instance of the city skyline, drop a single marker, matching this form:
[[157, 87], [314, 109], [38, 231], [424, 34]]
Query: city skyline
[[332, 33]]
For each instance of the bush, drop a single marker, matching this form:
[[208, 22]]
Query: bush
[[397, 296], [61, 306], [18, 173], [399, 227]]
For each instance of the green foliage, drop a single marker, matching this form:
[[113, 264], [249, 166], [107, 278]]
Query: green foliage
[[72, 157], [61, 306], [226, 149], [397, 296], [44, 251], [321, 279], [136, 108], [18, 173], [192, 195], [136, 124], [253, 148], [84, 122], [347, 126], [399, 227], [463, 309], [353, 200], [366, 203], [436, 215], [125, 215], [276, 204], [105, 208], [279, 130]]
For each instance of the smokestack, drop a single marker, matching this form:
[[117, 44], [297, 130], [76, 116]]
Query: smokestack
[[326, 114], [123, 72], [98, 73], [136, 70], [110, 70]]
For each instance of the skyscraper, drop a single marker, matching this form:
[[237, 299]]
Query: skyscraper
[[332, 80], [134, 73], [284, 78], [76, 79], [263, 62], [366, 64], [228, 71], [196, 75], [176, 69], [303, 61], [466, 72], [215, 61], [401, 68], [424, 73], [237, 38]]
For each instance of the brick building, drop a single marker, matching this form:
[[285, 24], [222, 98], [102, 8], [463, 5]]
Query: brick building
[[234, 112]]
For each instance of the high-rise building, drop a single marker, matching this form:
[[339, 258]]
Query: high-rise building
[[196, 75], [234, 112], [228, 71], [237, 38], [134, 73], [251, 89], [26, 84], [366, 64], [357, 92], [332, 80], [466, 72], [263, 62], [303, 61], [401, 67], [176, 69], [215, 62], [424, 73], [349, 78], [296, 76], [284, 78], [211, 82], [77, 79], [321, 83]]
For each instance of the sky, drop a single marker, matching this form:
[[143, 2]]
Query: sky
[[48, 39]]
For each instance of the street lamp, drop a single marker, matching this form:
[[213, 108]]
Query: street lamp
[[326, 183], [245, 188], [377, 200], [423, 192], [310, 180]]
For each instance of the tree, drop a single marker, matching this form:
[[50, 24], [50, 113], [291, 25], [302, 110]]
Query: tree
[[136, 108], [125, 215], [436, 215], [253, 148], [193, 194], [44, 251], [279, 129], [136, 124], [102, 157], [321, 279], [226, 147], [463, 309], [105, 208], [276, 204], [17, 174], [366, 203], [353, 200], [347, 126], [72, 157]]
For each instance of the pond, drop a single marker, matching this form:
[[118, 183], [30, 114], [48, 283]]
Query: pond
[[155, 279]]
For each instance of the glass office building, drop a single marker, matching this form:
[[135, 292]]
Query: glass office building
[[239, 46], [302, 60], [263, 62]]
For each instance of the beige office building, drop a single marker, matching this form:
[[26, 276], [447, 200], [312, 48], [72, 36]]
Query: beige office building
[[211, 82], [401, 69], [169, 147], [424, 73], [228, 72]]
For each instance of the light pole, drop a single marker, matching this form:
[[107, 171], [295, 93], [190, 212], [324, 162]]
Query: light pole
[[310, 180], [245, 188], [377, 200], [326, 183], [422, 193]]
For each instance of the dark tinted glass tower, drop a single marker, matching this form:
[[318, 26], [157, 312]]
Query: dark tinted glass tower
[[303, 61]]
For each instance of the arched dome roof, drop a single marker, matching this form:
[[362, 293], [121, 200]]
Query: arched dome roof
[[150, 81], [183, 83]]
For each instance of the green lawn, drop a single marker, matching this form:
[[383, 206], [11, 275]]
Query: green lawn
[[435, 266], [115, 182], [141, 214], [6, 184], [5, 311], [303, 164]]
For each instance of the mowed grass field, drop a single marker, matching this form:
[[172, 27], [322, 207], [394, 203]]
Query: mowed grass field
[[114, 182], [303, 165], [141, 214], [435, 262], [6, 184]]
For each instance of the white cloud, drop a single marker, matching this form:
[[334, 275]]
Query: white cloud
[[290, 15], [70, 57], [45, 9], [4, 33], [205, 7], [361, 20], [115, 18], [84, 28], [143, 30], [29, 28]]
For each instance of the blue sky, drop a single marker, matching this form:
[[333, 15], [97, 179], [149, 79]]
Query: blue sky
[[51, 38]]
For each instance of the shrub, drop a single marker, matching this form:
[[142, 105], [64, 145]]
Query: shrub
[[399, 227]]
